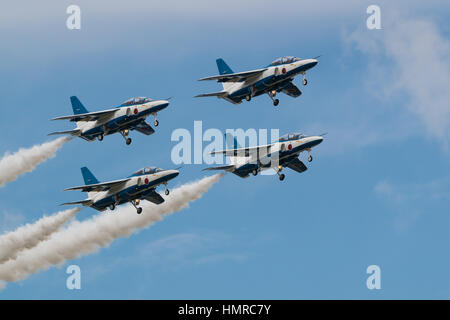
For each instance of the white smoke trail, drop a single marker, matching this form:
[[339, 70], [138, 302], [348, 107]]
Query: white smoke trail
[[29, 235], [25, 160], [81, 238]]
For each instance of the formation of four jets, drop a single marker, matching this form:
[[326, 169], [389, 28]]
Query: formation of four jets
[[131, 115]]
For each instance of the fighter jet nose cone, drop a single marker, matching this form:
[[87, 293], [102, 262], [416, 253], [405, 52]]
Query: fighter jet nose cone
[[171, 174]]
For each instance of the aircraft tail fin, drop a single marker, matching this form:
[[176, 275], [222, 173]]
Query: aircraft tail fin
[[224, 69], [77, 106], [88, 177], [231, 142]]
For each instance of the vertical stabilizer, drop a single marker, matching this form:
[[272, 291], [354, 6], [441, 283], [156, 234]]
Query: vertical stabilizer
[[77, 106], [224, 69], [88, 177]]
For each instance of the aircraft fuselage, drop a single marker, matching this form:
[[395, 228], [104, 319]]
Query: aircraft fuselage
[[279, 153], [133, 189], [120, 120], [269, 80]]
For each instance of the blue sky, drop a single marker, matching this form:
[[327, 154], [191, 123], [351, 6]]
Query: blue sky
[[377, 192]]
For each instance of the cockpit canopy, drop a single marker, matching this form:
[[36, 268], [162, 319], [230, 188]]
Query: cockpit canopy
[[138, 100], [147, 170], [291, 136], [284, 60]]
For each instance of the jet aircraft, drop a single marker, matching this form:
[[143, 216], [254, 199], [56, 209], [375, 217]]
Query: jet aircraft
[[139, 186], [283, 153], [276, 77], [130, 115]]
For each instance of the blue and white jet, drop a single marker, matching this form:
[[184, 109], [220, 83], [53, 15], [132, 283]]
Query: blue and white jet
[[141, 185], [283, 153], [276, 77], [130, 115]]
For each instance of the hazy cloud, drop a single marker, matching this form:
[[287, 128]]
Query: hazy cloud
[[410, 57]]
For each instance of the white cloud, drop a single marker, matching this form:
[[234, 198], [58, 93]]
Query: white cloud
[[433, 190], [410, 58], [219, 11], [384, 188], [10, 221], [410, 201], [184, 249]]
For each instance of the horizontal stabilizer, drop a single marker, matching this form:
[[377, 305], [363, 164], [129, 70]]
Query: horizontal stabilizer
[[91, 116], [244, 152], [212, 94], [85, 203], [97, 187], [235, 77], [230, 167], [75, 132]]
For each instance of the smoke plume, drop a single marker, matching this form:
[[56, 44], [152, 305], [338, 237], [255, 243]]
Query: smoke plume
[[26, 160], [82, 238], [29, 235]]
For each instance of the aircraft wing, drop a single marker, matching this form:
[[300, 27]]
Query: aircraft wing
[[86, 202], [226, 168], [212, 94], [297, 165], [291, 90], [75, 132], [103, 186], [90, 116], [235, 77], [244, 151], [144, 128], [153, 196]]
